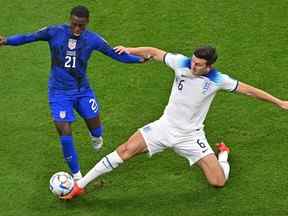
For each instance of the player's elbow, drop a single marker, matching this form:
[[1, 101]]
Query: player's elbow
[[155, 53]]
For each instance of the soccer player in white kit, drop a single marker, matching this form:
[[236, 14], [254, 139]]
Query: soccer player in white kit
[[181, 125]]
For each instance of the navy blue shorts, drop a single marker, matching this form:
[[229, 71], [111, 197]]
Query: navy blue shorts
[[63, 103]]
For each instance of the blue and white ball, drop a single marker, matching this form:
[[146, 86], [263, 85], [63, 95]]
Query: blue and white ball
[[61, 183]]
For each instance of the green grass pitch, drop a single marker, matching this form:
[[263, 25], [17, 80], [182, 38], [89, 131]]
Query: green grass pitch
[[251, 38]]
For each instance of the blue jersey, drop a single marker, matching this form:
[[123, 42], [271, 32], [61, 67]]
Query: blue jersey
[[70, 54]]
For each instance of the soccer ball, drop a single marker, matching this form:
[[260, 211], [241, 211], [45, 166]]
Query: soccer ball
[[61, 183]]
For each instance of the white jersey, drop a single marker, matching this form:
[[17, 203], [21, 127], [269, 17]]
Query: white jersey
[[191, 96]]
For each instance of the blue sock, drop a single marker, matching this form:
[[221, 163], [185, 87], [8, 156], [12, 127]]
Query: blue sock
[[97, 132], [69, 153]]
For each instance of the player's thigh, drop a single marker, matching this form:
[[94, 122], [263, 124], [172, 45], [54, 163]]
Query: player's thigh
[[87, 105], [212, 170], [156, 137], [135, 145]]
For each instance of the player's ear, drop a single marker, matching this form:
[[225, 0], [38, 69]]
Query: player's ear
[[209, 67]]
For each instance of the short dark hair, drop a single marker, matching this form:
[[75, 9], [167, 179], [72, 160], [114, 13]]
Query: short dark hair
[[80, 11], [206, 52]]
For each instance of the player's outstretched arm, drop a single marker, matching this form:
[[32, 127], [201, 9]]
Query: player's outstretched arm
[[249, 90], [145, 52], [16, 40], [102, 46], [2, 40]]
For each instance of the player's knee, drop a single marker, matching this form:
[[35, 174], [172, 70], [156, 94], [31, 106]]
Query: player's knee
[[63, 129], [65, 133], [217, 182], [125, 151]]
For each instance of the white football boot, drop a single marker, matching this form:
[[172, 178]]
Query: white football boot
[[97, 142]]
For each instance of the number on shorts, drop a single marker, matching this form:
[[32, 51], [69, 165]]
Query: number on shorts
[[93, 104], [201, 144]]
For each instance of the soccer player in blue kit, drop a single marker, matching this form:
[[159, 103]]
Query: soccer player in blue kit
[[68, 88]]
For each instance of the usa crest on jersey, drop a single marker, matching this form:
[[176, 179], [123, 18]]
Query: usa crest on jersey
[[62, 114], [72, 44]]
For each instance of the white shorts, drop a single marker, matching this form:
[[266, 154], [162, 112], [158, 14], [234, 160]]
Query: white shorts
[[159, 136]]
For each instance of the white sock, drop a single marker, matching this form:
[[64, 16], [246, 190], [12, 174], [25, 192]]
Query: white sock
[[77, 176], [223, 160], [106, 164]]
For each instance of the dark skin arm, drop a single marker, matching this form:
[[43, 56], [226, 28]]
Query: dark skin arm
[[2, 41], [145, 52]]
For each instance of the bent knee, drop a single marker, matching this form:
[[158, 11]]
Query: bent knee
[[217, 182], [135, 145], [125, 151]]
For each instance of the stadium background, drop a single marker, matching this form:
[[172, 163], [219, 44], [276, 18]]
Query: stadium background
[[251, 38]]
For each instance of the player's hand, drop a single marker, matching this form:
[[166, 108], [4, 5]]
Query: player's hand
[[121, 49], [283, 105], [2, 40]]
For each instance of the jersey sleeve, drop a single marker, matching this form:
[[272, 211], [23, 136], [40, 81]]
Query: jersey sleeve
[[43, 34], [176, 61], [102, 46], [227, 83]]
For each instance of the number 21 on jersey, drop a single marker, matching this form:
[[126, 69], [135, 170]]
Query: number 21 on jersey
[[70, 61]]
